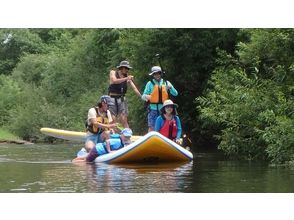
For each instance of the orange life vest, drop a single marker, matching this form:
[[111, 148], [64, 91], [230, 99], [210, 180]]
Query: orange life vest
[[159, 93]]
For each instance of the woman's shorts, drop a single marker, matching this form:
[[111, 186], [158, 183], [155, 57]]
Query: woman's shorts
[[95, 138]]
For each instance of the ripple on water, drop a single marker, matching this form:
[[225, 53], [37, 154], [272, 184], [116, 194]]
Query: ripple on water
[[18, 190], [46, 162], [3, 159]]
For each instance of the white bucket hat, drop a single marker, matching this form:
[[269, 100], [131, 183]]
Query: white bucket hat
[[168, 102]]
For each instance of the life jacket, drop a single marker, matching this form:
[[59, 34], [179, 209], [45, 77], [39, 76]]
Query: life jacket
[[100, 119], [169, 128], [119, 89], [101, 149], [160, 93], [115, 144], [115, 135]]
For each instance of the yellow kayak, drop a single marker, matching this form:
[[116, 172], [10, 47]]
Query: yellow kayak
[[71, 135]]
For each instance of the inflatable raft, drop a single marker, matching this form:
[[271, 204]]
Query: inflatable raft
[[151, 148]]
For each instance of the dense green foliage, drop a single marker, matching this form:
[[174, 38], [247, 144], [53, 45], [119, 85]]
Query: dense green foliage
[[235, 86], [249, 103], [16, 43]]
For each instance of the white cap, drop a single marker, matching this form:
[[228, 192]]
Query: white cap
[[155, 69]]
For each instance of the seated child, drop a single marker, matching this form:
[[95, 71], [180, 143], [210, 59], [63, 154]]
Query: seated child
[[168, 123], [114, 143]]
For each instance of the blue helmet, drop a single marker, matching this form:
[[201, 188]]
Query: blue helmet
[[106, 99]]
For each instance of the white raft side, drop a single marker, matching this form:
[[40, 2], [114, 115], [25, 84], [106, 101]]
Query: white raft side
[[175, 145], [111, 156]]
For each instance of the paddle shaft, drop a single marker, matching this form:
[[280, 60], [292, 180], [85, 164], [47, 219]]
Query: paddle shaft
[[159, 61]]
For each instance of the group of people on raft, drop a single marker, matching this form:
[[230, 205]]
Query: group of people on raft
[[102, 119]]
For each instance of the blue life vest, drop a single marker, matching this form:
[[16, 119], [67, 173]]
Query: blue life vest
[[115, 136], [115, 144], [101, 149]]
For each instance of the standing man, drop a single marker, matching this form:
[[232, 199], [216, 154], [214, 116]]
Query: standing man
[[119, 81], [155, 93]]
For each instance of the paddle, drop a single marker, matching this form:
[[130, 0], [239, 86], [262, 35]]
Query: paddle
[[159, 61]]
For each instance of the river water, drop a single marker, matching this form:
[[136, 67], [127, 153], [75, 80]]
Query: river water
[[48, 168]]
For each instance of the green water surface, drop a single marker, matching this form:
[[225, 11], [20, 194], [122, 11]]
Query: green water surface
[[48, 168]]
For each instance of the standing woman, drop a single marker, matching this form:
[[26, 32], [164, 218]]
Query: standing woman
[[156, 91], [168, 123]]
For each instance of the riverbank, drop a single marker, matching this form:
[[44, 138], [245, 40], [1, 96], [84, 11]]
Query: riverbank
[[7, 137]]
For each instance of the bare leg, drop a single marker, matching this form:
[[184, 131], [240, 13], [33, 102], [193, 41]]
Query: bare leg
[[124, 121], [113, 118], [105, 135]]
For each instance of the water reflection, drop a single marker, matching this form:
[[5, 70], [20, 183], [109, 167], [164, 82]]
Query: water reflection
[[135, 178]]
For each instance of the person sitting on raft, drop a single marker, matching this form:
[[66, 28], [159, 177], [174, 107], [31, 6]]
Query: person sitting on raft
[[99, 120], [115, 142], [168, 123]]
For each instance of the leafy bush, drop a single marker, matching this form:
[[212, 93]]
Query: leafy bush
[[252, 109], [9, 97]]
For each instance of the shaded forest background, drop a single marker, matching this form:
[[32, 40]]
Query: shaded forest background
[[235, 86]]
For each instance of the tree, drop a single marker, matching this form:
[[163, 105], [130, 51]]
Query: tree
[[14, 43], [188, 57], [250, 99]]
